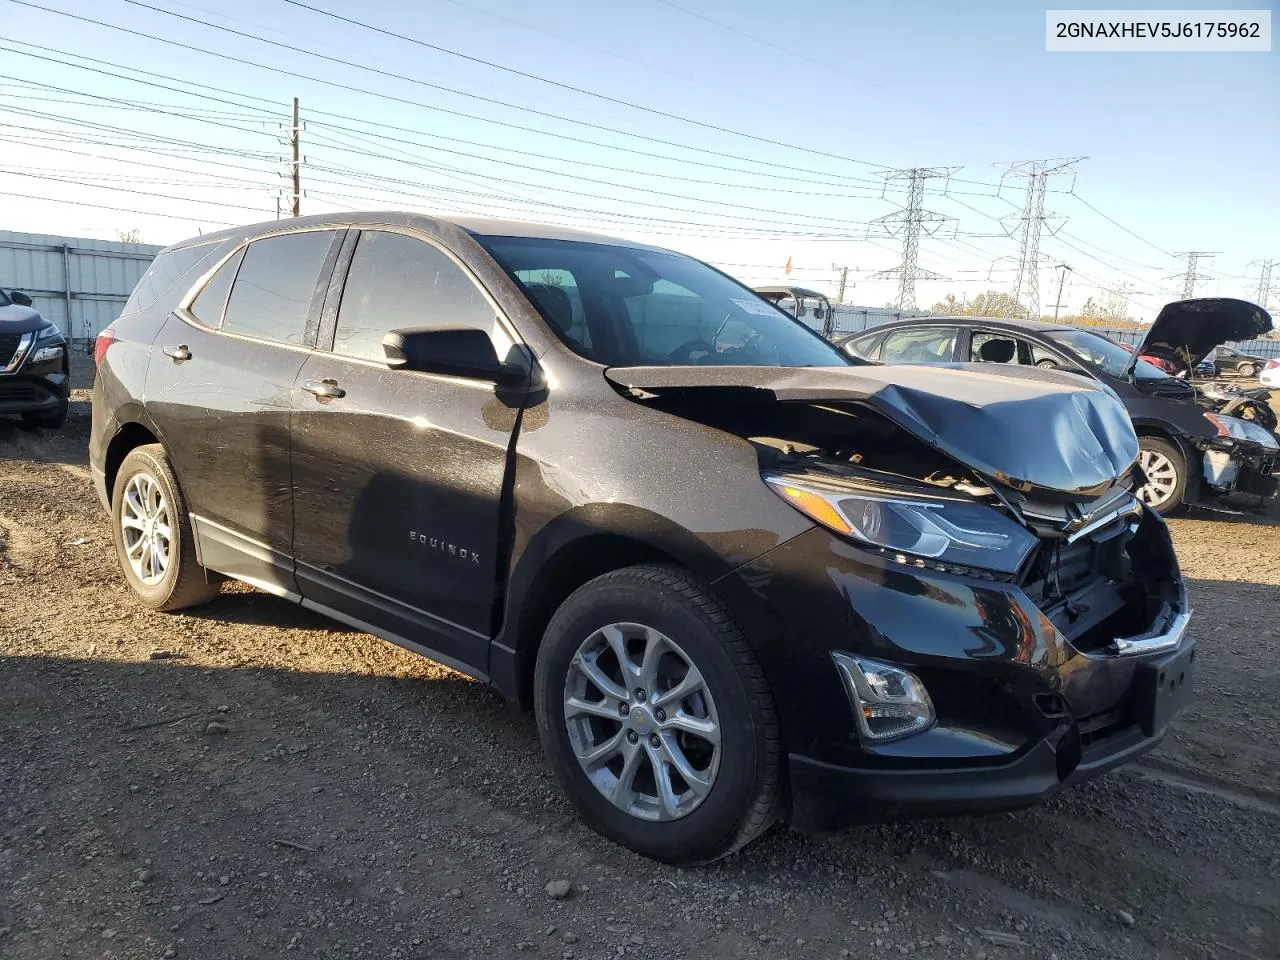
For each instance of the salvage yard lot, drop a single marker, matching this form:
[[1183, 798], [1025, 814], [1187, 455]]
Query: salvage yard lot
[[354, 800]]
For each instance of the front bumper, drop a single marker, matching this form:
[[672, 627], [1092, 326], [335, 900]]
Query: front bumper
[[1022, 711], [1242, 467], [32, 393], [36, 387], [828, 796]]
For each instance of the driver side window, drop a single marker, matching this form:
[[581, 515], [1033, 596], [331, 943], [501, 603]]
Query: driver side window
[[399, 282]]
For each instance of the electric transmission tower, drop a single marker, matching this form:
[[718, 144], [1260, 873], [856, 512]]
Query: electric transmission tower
[[911, 221], [1029, 224], [1264, 280], [1190, 277]]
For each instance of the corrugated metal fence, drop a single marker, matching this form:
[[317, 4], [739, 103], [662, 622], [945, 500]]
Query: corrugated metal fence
[[77, 283], [850, 319]]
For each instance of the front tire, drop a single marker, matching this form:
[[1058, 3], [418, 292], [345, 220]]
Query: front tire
[[656, 717], [152, 534], [1166, 470], [1248, 369]]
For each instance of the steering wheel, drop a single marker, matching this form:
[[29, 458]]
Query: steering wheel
[[684, 353]]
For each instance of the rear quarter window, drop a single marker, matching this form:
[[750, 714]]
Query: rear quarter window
[[171, 275]]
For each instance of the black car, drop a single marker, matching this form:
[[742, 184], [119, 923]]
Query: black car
[[735, 575], [35, 370], [1190, 455], [1230, 360]]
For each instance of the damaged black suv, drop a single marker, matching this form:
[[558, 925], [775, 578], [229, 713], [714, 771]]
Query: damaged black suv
[[736, 576]]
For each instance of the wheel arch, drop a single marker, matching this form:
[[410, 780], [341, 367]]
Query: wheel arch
[[579, 546], [127, 438], [1190, 456]]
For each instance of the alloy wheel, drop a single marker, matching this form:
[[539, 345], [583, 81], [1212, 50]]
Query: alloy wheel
[[642, 722], [1162, 477], [146, 528]]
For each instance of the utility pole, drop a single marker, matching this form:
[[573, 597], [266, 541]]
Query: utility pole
[[844, 280], [1264, 280], [1190, 277], [910, 222], [1062, 279], [295, 168], [1030, 223]]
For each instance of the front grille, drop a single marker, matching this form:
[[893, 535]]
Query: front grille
[[8, 347], [19, 394]]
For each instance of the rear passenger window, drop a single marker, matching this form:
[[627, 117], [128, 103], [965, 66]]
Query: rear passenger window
[[995, 348], [275, 287], [397, 282], [919, 345], [208, 304]]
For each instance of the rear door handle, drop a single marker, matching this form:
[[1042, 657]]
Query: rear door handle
[[323, 390], [179, 353]]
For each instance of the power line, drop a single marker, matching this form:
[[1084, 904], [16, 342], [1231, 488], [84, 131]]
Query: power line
[[98, 206], [435, 137], [541, 79], [145, 193], [1116, 223], [423, 83]]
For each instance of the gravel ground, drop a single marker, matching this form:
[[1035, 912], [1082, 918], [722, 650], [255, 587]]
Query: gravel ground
[[248, 780]]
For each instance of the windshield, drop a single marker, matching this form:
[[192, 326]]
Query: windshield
[[621, 306], [1103, 354]]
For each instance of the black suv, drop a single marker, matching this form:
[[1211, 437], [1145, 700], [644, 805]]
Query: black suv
[[35, 365], [1189, 454], [735, 575]]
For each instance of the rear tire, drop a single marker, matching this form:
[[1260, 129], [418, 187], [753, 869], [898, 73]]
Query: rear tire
[[717, 797], [1166, 470], [1248, 369], [152, 534], [51, 420]]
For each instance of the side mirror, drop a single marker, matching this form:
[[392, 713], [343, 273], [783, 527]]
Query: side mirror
[[451, 351], [21, 299]]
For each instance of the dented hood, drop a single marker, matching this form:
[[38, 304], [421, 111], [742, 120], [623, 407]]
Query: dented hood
[[1025, 428], [1186, 330]]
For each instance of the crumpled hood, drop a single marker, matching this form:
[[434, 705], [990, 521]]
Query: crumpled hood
[[1187, 330], [16, 319], [1022, 427]]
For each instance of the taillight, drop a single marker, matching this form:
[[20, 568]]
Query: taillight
[[1273, 364], [105, 339]]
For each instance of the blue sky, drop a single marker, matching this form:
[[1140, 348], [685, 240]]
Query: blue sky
[[1181, 148]]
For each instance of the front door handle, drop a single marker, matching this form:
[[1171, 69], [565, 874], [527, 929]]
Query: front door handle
[[323, 390], [179, 353]]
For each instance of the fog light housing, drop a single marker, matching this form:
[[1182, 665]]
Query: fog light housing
[[888, 702], [44, 354]]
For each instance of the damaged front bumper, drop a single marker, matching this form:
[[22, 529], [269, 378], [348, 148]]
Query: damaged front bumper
[[1026, 705], [1236, 466]]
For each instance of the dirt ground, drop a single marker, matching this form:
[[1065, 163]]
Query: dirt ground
[[363, 802]]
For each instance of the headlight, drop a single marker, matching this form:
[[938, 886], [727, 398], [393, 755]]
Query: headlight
[[888, 702], [937, 528], [49, 332], [1239, 429], [41, 354]]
